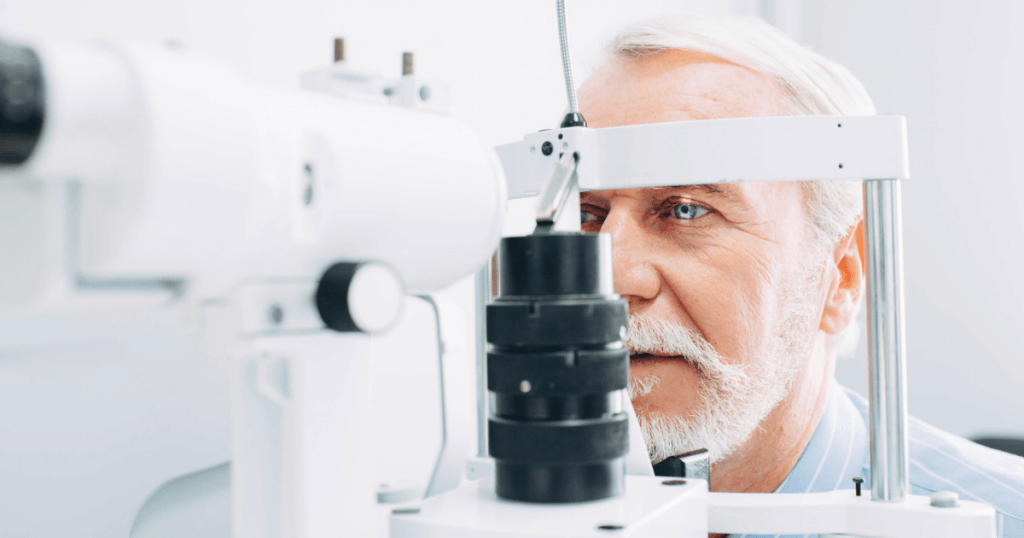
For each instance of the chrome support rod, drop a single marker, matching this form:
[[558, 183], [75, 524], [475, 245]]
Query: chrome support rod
[[883, 244], [482, 296]]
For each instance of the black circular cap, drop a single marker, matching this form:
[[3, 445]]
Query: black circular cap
[[573, 119], [22, 103], [556, 264], [359, 297]]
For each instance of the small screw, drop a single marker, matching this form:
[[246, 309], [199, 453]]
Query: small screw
[[674, 482], [405, 511], [559, 136], [276, 314], [840, 125], [525, 386], [610, 527], [857, 481], [840, 165], [546, 148], [339, 49]]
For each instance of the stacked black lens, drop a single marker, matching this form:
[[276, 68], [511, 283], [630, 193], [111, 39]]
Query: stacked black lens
[[556, 365], [22, 103]]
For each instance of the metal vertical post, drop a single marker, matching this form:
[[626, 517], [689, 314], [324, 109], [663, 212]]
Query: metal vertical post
[[482, 297], [883, 243]]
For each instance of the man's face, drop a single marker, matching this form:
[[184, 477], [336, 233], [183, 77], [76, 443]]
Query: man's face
[[726, 265]]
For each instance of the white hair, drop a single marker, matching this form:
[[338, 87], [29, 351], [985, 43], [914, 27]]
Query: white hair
[[814, 85]]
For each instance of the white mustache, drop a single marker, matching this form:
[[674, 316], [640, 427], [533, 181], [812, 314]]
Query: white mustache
[[657, 337]]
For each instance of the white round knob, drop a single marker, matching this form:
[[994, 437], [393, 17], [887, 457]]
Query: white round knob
[[944, 499]]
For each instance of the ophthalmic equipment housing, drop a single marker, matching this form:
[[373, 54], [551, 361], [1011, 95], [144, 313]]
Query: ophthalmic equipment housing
[[158, 173]]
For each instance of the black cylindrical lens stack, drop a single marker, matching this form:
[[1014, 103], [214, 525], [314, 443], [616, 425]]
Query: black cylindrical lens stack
[[22, 103], [556, 364]]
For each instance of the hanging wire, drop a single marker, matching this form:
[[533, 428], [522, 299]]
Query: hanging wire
[[563, 38]]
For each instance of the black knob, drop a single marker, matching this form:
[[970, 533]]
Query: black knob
[[573, 119], [360, 297]]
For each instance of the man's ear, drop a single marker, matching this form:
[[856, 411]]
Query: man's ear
[[846, 289]]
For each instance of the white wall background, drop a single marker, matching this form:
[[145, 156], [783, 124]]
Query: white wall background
[[955, 70]]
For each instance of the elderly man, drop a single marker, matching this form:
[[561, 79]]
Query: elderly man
[[741, 295]]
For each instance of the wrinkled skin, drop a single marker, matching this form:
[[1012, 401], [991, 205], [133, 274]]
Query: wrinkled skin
[[717, 259]]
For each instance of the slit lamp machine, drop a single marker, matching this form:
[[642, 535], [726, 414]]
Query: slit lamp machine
[[310, 217]]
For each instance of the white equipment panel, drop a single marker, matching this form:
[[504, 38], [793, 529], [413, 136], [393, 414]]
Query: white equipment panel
[[704, 152]]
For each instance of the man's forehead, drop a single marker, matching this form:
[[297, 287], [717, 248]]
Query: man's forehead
[[677, 86]]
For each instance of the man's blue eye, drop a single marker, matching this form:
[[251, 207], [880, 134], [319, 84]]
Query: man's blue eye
[[688, 211], [586, 216]]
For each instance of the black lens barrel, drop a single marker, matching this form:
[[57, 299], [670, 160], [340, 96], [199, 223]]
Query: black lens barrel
[[22, 103], [555, 367]]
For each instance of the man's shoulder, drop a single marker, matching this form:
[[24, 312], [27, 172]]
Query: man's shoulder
[[941, 461]]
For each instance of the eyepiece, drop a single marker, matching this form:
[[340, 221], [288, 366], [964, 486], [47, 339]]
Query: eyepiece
[[556, 368], [22, 103]]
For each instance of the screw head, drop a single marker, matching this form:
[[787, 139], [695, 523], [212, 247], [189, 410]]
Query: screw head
[[525, 386], [546, 148]]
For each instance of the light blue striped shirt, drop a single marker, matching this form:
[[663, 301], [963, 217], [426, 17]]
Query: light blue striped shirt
[[939, 461]]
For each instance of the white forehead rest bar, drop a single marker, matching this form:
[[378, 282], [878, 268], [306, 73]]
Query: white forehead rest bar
[[789, 148]]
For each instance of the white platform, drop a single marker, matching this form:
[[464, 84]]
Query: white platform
[[649, 508]]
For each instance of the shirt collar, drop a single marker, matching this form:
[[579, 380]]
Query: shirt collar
[[837, 450]]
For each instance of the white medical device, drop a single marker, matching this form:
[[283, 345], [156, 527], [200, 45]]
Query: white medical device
[[872, 149], [306, 216], [158, 172]]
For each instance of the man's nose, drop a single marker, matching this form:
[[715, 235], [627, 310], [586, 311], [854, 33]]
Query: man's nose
[[636, 278]]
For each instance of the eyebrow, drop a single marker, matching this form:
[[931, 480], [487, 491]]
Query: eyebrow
[[706, 188], [727, 196], [709, 189]]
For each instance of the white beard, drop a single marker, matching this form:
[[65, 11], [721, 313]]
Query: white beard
[[733, 398]]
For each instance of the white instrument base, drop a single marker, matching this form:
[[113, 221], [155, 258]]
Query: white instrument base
[[650, 507]]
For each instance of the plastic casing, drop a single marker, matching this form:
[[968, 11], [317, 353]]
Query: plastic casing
[[187, 171]]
